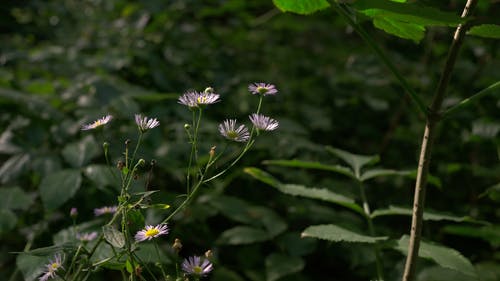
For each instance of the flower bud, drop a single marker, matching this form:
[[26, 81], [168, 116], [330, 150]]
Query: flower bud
[[209, 254], [177, 245], [187, 126], [209, 90], [73, 213], [141, 162]]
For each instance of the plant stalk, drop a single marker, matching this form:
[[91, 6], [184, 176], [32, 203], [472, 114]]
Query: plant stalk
[[433, 118]]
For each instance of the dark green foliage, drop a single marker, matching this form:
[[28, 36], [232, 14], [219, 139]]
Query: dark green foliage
[[66, 63]]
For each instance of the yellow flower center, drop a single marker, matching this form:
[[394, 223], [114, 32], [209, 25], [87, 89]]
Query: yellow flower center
[[202, 99], [261, 90], [197, 269], [152, 232], [54, 266], [232, 135]]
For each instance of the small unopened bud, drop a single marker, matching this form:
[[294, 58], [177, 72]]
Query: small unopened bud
[[209, 90], [138, 270], [127, 142], [120, 165], [153, 162], [187, 126], [73, 213], [105, 145], [177, 245], [209, 254], [212, 151], [141, 162]]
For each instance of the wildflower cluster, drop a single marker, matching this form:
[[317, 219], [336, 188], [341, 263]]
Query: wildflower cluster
[[117, 232]]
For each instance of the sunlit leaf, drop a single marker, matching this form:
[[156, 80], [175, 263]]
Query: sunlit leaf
[[485, 30], [310, 165], [428, 216], [278, 265], [302, 7], [59, 187], [404, 30], [444, 256], [336, 233]]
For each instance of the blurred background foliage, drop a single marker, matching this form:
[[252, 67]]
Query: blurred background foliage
[[65, 63]]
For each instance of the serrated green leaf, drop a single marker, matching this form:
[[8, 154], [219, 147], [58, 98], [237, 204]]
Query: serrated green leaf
[[356, 161], [241, 235], [413, 13], [14, 198], [278, 265], [443, 256], [113, 236], [8, 220], [336, 233], [302, 7], [79, 153], [320, 194], [59, 187], [400, 29], [311, 165], [485, 30], [374, 173], [428, 216], [307, 192]]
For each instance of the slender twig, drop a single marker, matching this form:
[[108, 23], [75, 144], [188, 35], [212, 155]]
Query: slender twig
[[381, 54], [493, 88], [426, 148]]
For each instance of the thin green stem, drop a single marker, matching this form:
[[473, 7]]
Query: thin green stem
[[159, 260], [381, 54], [371, 229], [493, 88]]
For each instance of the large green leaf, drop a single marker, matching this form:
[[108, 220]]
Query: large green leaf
[[31, 266], [374, 173], [278, 265], [428, 216], [102, 176], [444, 256], [79, 153], [311, 165], [8, 220], [14, 198], [336, 233], [59, 187], [302, 7], [356, 161], [486, 30], [401, 29], [307, 192], [437, 273]]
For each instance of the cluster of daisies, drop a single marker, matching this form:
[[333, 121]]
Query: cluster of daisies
[[229, 128], [197, 266], [193, 99]]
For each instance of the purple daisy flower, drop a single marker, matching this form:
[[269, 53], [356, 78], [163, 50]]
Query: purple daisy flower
[[99, 122], [195, 99], [262, 89], [144, 123], [105, 210], [150, 232], [197, 266], [52, 267], [228, 130], [262, 122]]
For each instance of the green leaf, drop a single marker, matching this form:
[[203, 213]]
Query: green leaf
[[50, 250], [148, 254], [79, 153], [428, 216], [59, 187], [488, 233], [437, 273], [320, 194], [374, 173], [307, 192], [14, 198], [113, 236], [356, 161], [101, 176], [8, 220], [336, 233], [493, 192], [412, 13], [400, 29], [303, 7], [31, 266], [241, 235], [311, 165], [486, 30], [14, 167], [278, 265], [443, 256]]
